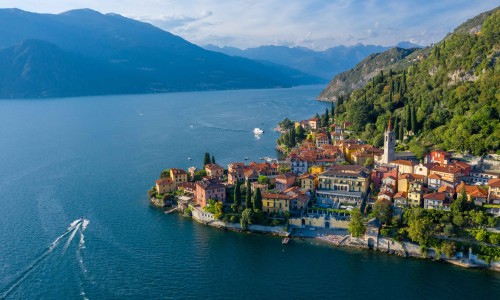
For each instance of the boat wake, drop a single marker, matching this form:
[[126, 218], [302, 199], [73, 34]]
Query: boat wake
[[78, 225]]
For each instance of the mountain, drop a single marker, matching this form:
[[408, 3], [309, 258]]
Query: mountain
[[324, 64], [345, 82], [83, 52], [445, 96]]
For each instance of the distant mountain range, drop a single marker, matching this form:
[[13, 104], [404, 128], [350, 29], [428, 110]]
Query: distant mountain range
[[83, 52], [324, 64]]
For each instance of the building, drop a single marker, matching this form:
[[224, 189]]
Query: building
[[401, 199], [435, 201], [322, 139], [209, 189], [434, 181], [308, 182], [404, 166], [235, 176], [494, 191], [448, 173], [298, 165], [276, 203], [178, 175], [285, 181], [313, 123], [405, 180], [165, 185], [479, 177], [438, 156], [389, 145], [474, 193], [342, 185], [214, 170]]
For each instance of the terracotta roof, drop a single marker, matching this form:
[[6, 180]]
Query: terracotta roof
[[287, 175], [314, 119], [307, 176], [446, 189], [164, 181], [441, 152], [462, 164], [403, 162], [213, 167], [277, 196], [472, 190], [401, 195], [178, 171], [435, 196], [446, 169], [494, 182], [210, 184], [434, 176]]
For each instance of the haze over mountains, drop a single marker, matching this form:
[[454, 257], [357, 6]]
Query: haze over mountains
[[324, 64], [83, 52]]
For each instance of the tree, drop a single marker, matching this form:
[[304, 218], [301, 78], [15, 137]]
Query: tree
[[248, 196], [449, 249], [291, 141], [382, 210], [408, 117], [300, 134], [413, 120], [481, 235], [237, 194], [213, 159], [263, 179], [420, 230], [257, 200], [401, 131], [356, 226], [206, 159], [246, 218], [332, 112], [165, 173], [460, 204]]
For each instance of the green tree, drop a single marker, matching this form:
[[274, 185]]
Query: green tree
[[495, 238], [413, 120], [460, 204], [206, 159], [300, 134], [449, 249], [248, 196], [257, 199], [213, 159], [408, 117], [382, 210], [246, 218], [237, 193], [291, 141], [458, 220], [165, 173], [356, 226], [263, 179], [420, 230], [401, 131], [482, 235], [332, 112]]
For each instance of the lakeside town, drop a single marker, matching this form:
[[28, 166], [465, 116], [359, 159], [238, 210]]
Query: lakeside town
[[346, 192]]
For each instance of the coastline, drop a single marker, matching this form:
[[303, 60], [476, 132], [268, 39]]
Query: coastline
[[340, 238]]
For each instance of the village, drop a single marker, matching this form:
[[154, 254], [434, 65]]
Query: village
[[346, 192]]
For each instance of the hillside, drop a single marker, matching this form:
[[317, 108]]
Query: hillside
[[324, 64], [449, 99], [111, 54], [355, 78]]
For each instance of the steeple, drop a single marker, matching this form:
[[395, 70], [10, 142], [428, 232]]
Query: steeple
[[389, 127], [389, 144]]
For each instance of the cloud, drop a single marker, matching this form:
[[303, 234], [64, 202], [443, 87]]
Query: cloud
[[171, 22]]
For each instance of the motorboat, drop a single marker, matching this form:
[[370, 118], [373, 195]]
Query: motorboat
[[257, 130]]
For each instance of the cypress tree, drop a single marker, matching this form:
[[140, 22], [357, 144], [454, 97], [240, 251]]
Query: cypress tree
[[206, 160], [291, 139], [396, 124], [237, 193], [382, 75], [408, 117], [257, 199], [248, 196], [413, 120], [332, 112], [390, 96], [401, 131], [213, 159]]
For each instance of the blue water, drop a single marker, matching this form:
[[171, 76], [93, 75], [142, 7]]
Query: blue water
[[62, 159]]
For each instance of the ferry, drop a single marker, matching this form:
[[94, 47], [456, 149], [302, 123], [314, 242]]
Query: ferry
[[257, 130]]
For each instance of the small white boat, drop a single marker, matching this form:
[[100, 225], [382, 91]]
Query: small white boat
[[257, 130], [189, 158]]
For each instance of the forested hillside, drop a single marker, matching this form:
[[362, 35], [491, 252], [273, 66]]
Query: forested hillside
[[448, 99]]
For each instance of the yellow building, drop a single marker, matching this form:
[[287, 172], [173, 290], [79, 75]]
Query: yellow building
[[178, 176], [276, 203], [342, 185], [165, 185], [415, 198], [308, 182], [317, 169]]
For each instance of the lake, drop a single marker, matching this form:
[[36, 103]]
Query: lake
[[95, 157]]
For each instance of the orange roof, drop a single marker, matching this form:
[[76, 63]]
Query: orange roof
[[403, 162], [164, 181], [434, 176], [276, 196], [178, 171], [472, 190], [494, 182], [446, 189], [213, 167], [435, 196], [401, 195], [446, 169]]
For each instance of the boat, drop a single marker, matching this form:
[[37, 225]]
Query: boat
[[189, 158], [285, 241], [257, 130], [246, 158]]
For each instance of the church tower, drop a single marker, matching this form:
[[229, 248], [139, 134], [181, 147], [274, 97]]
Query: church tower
[[389, 144]]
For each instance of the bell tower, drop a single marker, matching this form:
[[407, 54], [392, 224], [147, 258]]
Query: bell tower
[[389, 144]]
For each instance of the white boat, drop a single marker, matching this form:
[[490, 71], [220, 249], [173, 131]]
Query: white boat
[[257, 130]]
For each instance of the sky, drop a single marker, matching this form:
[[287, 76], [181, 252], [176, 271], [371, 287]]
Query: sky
[[315, 24]]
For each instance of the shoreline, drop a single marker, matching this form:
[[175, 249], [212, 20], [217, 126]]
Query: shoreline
[[340, 238]]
